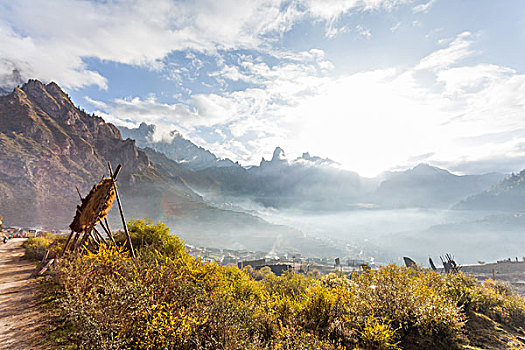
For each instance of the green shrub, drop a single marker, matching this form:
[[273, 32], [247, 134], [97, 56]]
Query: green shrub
[[165, 299], [35, 248], [145, 233]]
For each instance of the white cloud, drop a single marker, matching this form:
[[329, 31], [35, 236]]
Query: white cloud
[[330, 10], [23, 54], [425, 7], [368, 121], [364, 32], [456, 51], [48, 40], [395, 27]]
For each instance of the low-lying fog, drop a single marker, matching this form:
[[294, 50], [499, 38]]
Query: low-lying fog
[[388, 235]]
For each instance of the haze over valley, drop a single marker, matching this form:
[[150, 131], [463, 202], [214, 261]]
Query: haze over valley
[[364, 130], [306, 205]]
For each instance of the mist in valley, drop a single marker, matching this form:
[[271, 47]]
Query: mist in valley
[[383, 236]]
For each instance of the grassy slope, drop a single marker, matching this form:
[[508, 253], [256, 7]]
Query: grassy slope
[[165, 299]]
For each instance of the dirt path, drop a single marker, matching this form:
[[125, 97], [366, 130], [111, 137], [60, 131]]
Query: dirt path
[[19, 311]]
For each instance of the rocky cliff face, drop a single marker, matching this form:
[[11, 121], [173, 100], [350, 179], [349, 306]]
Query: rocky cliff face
[[47, 147]]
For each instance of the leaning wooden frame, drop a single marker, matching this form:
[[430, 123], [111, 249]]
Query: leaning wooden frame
[[93, 210]]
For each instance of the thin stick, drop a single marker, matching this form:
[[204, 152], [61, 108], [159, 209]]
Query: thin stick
[[67, 243], [75, 240], [78, 193], [107, 224], [100, 236], [46, 267], [85, 241], [87, 234], [120, 209], [45, 256], [108, 232], [94, 238], [71, 234]]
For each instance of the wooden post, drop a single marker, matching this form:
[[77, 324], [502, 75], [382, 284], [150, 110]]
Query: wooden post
[[78, 191], [45, 256], [109, 231], [120, 210], [74, 243], [67, 243]]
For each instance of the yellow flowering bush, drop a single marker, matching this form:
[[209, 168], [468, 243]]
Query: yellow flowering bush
[[165, 299]]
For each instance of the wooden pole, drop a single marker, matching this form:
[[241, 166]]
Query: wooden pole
[[72, 232], [78, 191], [99, 236], [120, 210], [107, 224], [67, 243], [74, 243], [108, 232], [87, 233]]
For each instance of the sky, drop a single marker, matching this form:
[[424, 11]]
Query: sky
[[374, 85]]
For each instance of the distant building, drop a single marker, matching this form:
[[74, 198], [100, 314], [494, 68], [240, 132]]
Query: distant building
[[252, 263], [229, 260], [278, 269]]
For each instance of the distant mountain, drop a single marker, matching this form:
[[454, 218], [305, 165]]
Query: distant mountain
[[507, 195], [178, 148], [226, 228], [48, 146], [315, 183], [426, 186], [306, 182]]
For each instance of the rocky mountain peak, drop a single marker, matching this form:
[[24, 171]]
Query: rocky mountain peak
[[51, 146], [147, 129], [424, 169], [278, 155], [175, 147]]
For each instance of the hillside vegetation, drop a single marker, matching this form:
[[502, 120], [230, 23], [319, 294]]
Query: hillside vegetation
[[165, 299], [505, 196]]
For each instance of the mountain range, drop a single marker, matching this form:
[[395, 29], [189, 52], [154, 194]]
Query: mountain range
[[309, 182], [426, 186], [48, 146]]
